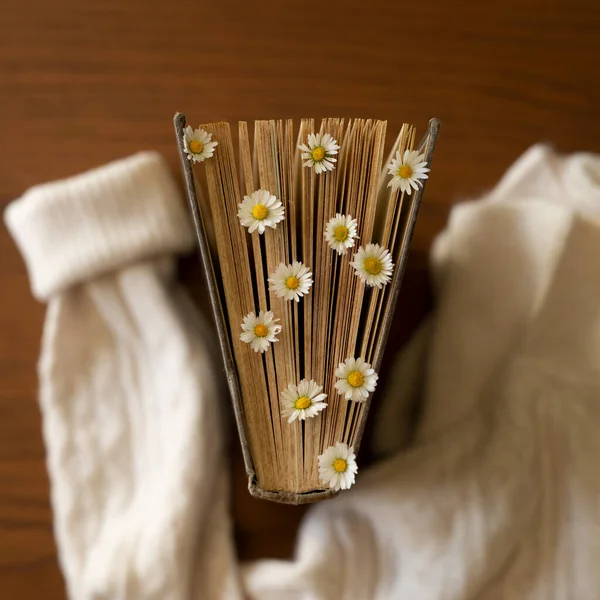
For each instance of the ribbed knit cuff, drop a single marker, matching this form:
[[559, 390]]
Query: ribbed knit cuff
[[75, 229]]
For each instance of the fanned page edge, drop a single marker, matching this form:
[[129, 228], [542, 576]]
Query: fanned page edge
[[280, 137]]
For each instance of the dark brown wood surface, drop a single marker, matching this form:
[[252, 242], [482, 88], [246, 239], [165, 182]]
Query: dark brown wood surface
[[84, 82]]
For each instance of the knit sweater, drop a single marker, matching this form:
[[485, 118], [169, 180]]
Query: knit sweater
[[498, 498]]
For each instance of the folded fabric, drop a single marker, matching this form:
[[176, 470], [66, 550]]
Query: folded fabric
[[127, 387], [498, 498]]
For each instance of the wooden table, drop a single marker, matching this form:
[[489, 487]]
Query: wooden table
[[84, 82]]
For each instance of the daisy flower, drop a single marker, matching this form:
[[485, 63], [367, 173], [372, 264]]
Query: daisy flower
[[302, 401], [407, 170], [356, 379], [291, 281], [340, 232], [260, 331], [337, 466], [260, 210], [319, 152], [373, 265], [197, 144]]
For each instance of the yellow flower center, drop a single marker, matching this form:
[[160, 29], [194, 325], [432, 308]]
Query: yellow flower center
[[260, 212], [405, 172], [261, 330], [339, 465], [318, 153], [196, 146], [291, 283], [302, 403], [340, 233], [372, 265], [355, 378]]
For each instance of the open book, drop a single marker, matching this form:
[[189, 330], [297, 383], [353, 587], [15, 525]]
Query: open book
[[303, 235]]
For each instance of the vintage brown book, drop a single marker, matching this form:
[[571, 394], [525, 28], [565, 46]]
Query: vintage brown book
[[303, 235]]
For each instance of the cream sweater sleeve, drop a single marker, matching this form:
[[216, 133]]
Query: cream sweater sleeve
[[127, 389]]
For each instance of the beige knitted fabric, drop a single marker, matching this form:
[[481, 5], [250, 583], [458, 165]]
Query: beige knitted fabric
[[499, 498], [128, 392]]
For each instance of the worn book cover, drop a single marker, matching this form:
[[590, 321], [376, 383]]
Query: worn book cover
[[303, 231]]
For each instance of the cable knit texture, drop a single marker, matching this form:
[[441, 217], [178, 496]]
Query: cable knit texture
[[498, 499]]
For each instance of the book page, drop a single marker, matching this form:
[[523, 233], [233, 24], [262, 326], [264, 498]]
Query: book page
[[339, 317]]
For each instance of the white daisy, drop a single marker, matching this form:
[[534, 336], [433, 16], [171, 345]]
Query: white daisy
[[260, 331], [291, 281], [319, 152], [260, 210], [340, 232], [356, 379], [373, 265], [302, 401], [407, 170], [197, 144], [337, 466]]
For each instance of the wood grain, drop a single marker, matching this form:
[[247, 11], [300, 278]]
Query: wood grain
[[85, 82]]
